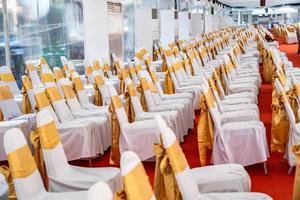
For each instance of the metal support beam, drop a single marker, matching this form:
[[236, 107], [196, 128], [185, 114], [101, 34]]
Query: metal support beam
[[6, 33]]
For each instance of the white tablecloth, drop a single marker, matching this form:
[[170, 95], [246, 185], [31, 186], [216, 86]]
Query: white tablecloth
[[4, 126], [3, 188]]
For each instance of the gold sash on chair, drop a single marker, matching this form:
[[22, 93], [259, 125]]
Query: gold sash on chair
[[27, 85], [115, 149], [99, 81], [280, 124], [38, 156], [136, 184], [205, 129], [1, 116], [296, 193], [165, 185], [168, 84], [128, 106], [8, 177]]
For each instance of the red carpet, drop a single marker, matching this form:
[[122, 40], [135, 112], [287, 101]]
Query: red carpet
[[277, 184]]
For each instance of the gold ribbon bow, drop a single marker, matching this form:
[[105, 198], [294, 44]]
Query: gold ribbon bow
[[115, 150], [26, 106], [129, 108], [280, 124], [165, 185], [296, 193], [120, 195], [38, 156], [168, 84], [142, 98], [205, 131], [97, 96], [11, 189]]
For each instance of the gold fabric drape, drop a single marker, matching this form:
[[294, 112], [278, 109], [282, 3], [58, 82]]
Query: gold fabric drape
[[165, 185], [27, 85], [11, 189], [114, 158], [26, 106], [168, 84], [280, 124], [38, 156], [129, 108], [1, 116], [142, 98], [205, 131], [136, 184], [97, 96], [120, 195], [296, 193]]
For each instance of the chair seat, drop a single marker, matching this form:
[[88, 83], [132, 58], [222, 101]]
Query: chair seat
[[243, 143], [139, 137], [239, 116], [222, 178], [236, 196], [80, 178]]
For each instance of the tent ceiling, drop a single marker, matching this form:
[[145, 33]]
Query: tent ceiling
[[256, 3]]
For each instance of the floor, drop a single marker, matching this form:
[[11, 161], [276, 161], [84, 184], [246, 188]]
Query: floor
[[277, 184]]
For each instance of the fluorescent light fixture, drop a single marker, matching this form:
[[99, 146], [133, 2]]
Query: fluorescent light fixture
[[286, 10]]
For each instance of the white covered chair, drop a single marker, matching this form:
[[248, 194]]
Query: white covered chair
[[138, 136], [27, 180], [242, 142], [7, 76], [187, 184], [10, 108], [62, 176], [186, 116]]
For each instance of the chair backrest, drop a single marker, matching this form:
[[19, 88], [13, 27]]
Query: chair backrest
[[70, 95], [100, 189], [7, 76], [186, 183], [211, 103], [29, 90], [132, 72], [58, 73], [43, 102], [8, 105], [219, 84], [100, 83], [147, 92], [135, 180], [27, 180], [137, 106], [62, 110], [47, 75], [79, 88], [89, 73], [33, 74], [54, 156], [118, 107]]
